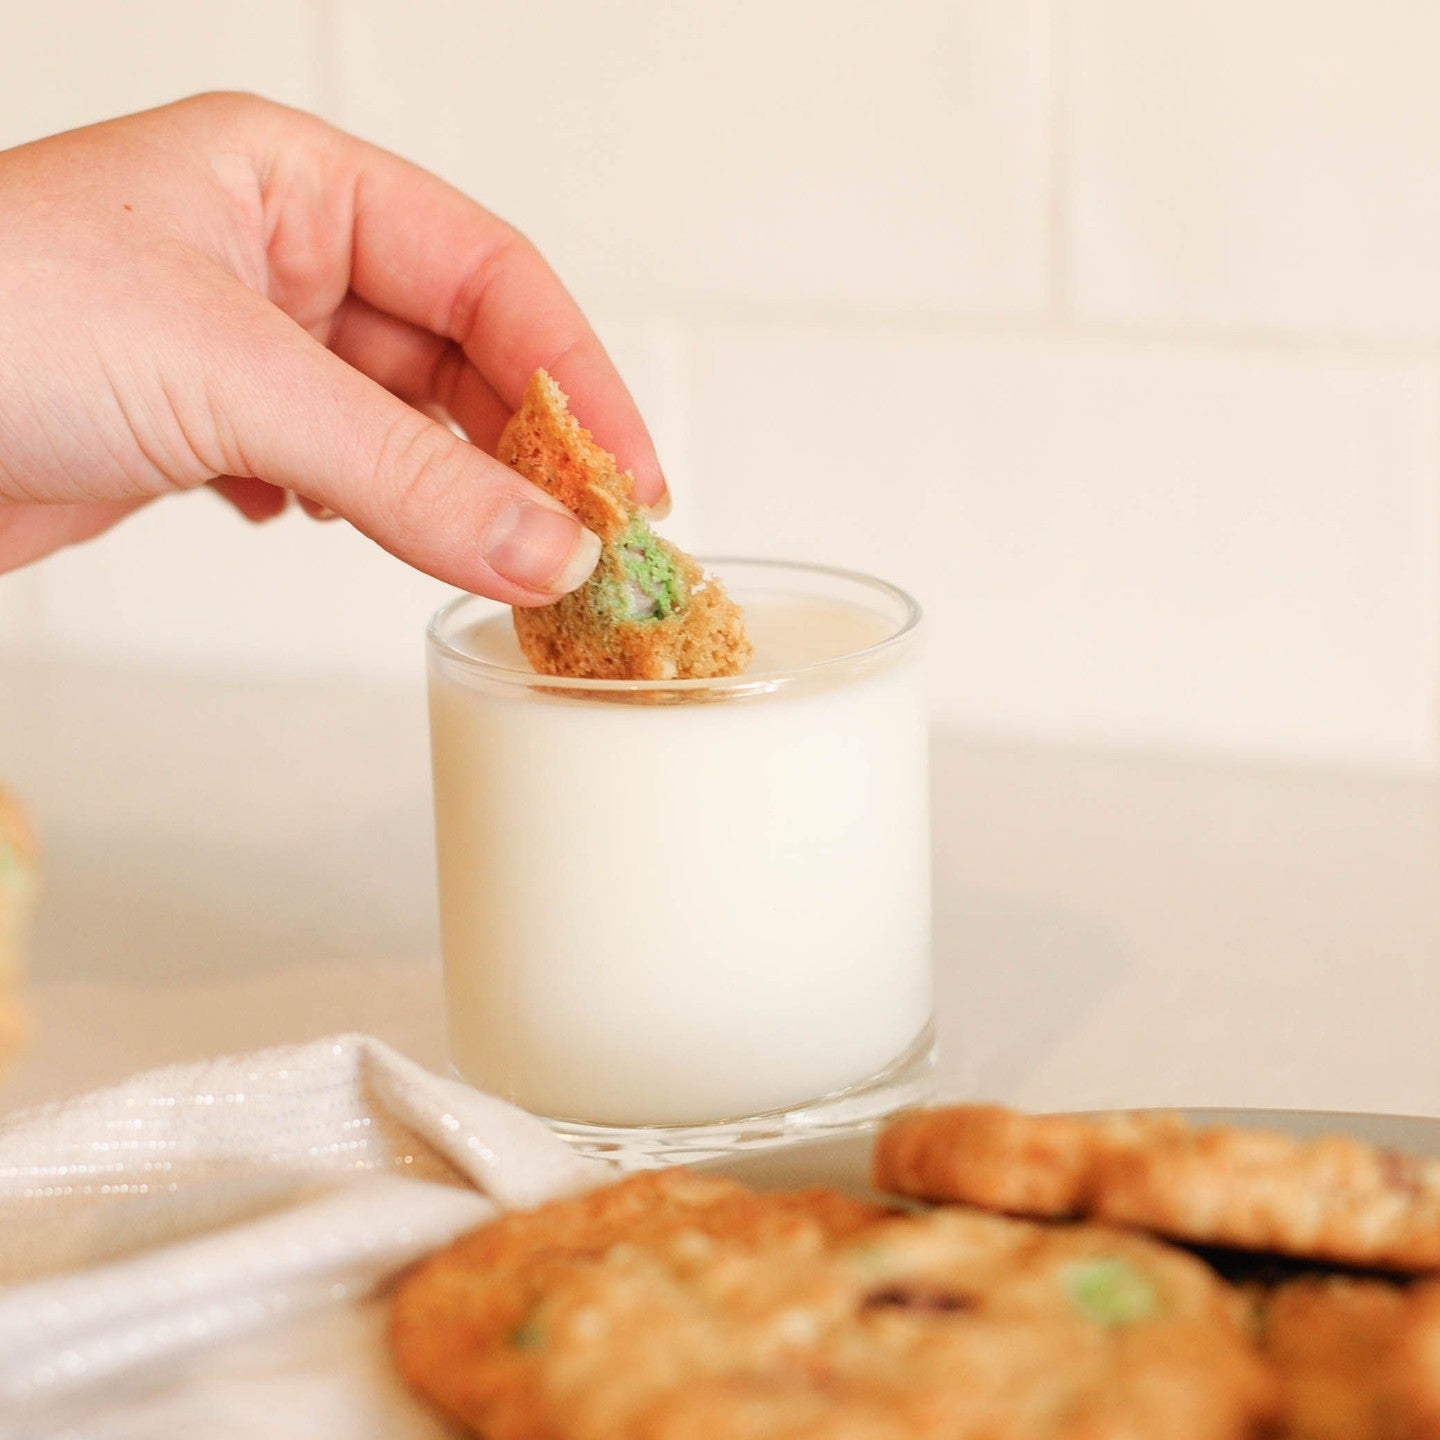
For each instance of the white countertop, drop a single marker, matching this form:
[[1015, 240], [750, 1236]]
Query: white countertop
[[234, 864]]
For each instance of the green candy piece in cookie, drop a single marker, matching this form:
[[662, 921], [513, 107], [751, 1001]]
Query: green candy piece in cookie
[[646, 584], [526, 1336], [1111, 1291]]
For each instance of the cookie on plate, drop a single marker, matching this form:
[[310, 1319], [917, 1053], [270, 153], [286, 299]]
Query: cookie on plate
[[954, 1324], [462, 1327], [986, 1155], [1334, 1199], [1356, 1359], [649, 612]]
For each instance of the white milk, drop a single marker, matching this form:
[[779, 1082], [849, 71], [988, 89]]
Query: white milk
[[685, 912]]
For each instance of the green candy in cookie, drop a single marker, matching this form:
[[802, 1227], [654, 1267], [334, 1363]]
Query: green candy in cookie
[[648, 586], [1111, 1291]]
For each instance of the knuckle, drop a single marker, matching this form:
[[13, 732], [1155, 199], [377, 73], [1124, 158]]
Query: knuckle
[[229, 104], [419, 475], [510, 250]]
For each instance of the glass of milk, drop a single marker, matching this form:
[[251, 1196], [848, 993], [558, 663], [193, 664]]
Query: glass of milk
[[686, 915]]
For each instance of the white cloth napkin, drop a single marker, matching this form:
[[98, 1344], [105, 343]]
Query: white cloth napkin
[[196, 1250]]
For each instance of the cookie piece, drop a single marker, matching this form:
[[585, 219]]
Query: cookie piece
[[18, 887], [954, 1324], [18, 862], [649, 612], [1044, 1165], [462, 1327], [1334, 1199], [1356, 1359]]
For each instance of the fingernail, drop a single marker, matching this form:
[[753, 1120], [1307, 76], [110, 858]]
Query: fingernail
[[661, 508], [541, 549]]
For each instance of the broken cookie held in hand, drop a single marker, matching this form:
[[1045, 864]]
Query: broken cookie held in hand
[[649, 612]]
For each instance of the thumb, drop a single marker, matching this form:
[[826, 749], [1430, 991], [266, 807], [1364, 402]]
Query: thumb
[[297, 416]]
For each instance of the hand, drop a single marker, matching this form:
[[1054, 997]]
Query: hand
[[227, 292]]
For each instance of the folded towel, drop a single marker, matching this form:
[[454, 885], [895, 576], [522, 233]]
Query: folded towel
[[200, 1246]]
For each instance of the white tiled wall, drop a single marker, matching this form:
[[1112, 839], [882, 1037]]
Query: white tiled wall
[[778, 152], [72, 62], [1256, 164], [1112, 540], [1110, 326]]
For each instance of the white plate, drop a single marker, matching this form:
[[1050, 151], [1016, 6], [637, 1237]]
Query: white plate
[[844, 1162]]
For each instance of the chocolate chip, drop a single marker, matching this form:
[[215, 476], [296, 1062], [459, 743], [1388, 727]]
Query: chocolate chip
[[907, 1297]]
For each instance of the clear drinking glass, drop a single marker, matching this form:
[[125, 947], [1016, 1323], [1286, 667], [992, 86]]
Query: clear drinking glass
[[688, 915]]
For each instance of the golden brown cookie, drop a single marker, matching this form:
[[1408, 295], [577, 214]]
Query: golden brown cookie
[[1356, 1359], [1005, 1160], [649, 612], [1334, 1199], [461, 1327], [955, 1324]]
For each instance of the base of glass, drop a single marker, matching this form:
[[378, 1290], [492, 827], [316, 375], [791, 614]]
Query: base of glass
[[908, 1080]]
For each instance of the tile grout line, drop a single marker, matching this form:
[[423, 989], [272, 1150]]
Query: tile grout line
[[1432, 571], [327, 72], [674, 342], [684, 399], [719, 311], [26, 629], [1059, 287], [43, 631]]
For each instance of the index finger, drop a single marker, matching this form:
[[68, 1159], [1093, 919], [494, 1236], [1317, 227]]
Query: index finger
[[428, 254]]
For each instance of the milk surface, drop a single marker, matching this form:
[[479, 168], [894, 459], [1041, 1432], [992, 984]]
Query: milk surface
[[679, 913]]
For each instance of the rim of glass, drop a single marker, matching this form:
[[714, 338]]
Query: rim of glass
[[751, 682]]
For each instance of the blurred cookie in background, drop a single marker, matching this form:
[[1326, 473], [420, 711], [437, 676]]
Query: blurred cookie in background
[[19, 883]]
